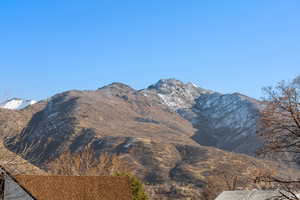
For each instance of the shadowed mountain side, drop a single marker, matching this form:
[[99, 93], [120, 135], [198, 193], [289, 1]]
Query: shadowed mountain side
[[15, 164], [13, 121], [228, 122]]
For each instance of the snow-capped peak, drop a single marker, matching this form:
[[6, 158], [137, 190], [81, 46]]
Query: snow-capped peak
[[176, 94], [16, 104]]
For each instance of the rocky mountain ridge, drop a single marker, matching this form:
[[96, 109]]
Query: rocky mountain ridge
[[225, 121], [176, 94]]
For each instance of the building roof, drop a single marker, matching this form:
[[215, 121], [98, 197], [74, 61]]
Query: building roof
[[248, 195], [76, 187]]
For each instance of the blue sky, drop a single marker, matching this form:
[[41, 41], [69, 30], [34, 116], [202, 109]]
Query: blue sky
[[48, 47]]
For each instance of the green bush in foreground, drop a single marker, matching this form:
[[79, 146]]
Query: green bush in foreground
[[137, 187]]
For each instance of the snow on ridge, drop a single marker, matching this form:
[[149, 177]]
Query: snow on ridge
[[16, 104], [176, 94], [195, 85]]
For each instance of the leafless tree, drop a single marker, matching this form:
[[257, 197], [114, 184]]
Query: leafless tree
[[281, 127], [218, 183], [281, 118], [86, 162]]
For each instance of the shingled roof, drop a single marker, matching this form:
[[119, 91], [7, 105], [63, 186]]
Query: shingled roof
[[251, 195], [75, 187], [247, 195]]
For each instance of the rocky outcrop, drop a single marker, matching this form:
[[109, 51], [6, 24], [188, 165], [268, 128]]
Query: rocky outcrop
[[175, 94]]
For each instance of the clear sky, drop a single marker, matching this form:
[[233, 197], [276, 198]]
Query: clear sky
[[51, 46]]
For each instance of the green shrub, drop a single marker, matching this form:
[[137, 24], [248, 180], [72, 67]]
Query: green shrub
[[137, 187]]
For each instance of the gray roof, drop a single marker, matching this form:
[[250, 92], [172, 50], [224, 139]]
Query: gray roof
[[248, 195]]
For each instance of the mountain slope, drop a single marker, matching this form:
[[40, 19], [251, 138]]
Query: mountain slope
[[12, 122], [114, 110]]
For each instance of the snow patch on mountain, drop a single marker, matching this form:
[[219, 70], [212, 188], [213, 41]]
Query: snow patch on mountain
[[228, 110], [16, 104], [227, 121]]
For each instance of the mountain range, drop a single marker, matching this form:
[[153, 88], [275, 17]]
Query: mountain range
[[173, 135]]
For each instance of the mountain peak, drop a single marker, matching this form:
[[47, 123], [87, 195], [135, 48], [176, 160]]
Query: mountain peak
[[117, 89], [170, 81], [117, 86], [164, 83], [176, 94]]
